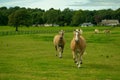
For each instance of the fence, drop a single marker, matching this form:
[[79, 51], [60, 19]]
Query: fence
[[4, 33]]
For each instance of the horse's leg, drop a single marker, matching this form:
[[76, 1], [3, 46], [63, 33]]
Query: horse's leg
[[62, 48], [60, 52], [81, 56], [56, 50], [79, 60], [74, 56]]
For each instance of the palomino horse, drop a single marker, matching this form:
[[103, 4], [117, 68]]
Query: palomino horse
[[59, 43], [107, 31], [78, 45], [96, 31]]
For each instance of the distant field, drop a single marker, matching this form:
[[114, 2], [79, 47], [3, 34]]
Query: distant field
[[32, 56]]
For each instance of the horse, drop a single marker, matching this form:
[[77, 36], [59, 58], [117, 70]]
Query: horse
[[107, 31], [59, 43], [96, 31], [78, 46], [81, 31]]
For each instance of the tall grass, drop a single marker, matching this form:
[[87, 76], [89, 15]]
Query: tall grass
[[32, 56]]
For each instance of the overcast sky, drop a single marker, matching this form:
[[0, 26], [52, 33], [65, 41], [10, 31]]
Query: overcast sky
[[62, 4]]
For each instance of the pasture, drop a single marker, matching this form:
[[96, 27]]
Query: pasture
[[32, 56]]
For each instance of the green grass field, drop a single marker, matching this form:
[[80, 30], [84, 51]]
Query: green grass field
[[32, 56]]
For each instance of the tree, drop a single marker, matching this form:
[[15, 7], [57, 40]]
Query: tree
[[20, 17], [99, 16], [3, 16], [117, 14], [66, 16], [37, 18], [3, 19], [17, 16], [78, 18], [51, 16]]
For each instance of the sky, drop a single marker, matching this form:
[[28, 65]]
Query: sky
[[62, 4]]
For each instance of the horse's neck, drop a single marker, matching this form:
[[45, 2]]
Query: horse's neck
[[78, 42]]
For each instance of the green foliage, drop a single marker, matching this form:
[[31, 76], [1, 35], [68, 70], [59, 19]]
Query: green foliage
[[19, 17], [37, 17], [51, 16], [3, 19], [3, 16], [67, 17], [77, 18]]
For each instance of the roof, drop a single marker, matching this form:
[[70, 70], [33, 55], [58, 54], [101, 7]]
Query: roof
[[110, 22], [87, 24]]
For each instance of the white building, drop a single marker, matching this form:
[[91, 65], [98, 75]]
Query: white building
[[87, 24], [109, 22]]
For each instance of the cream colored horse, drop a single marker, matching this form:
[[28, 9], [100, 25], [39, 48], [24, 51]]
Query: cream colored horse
[[78, 45], [107, 31], [59, 43], [96, 31]]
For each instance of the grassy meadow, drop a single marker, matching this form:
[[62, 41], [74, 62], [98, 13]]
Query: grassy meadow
[[32, 56]]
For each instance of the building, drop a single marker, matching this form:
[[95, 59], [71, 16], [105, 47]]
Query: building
[[47, 25], [109, 22], [87, 24]]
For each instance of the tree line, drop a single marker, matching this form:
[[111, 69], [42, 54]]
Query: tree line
[[16, 16]]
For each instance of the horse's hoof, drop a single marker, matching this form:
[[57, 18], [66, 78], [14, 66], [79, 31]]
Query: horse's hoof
[[79, 66], [60, 57], [81, 63], [75, 61]]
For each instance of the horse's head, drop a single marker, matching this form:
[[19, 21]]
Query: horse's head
[[61, 34], [76, 34]]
